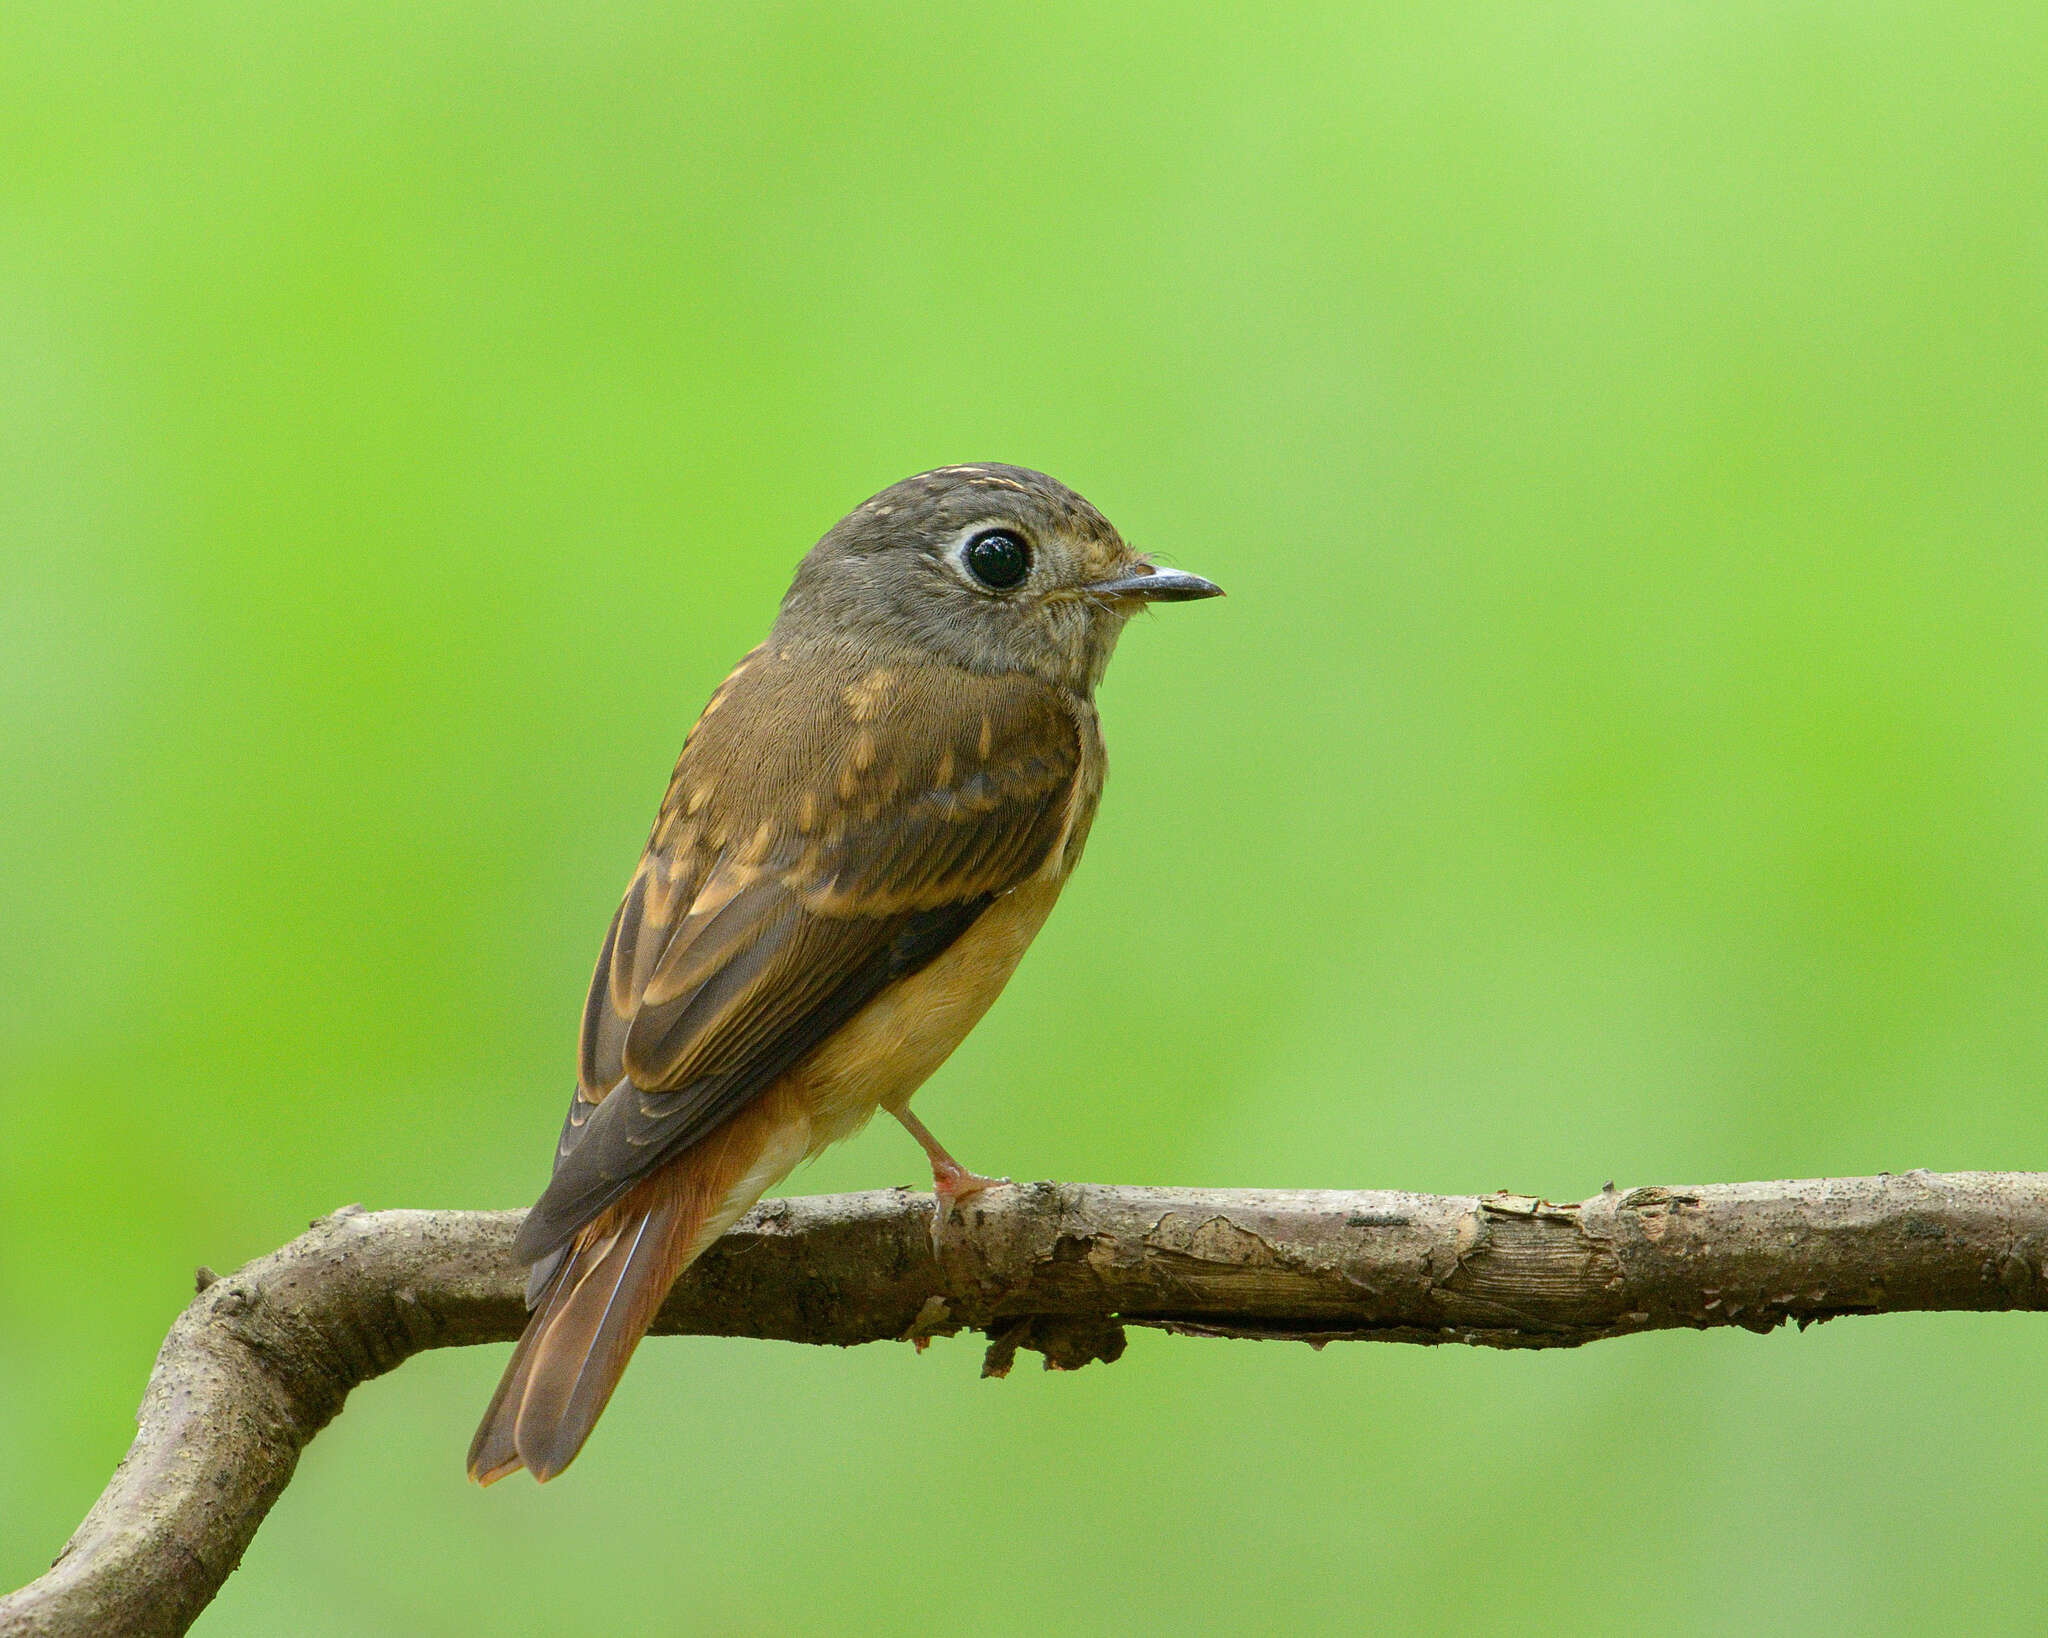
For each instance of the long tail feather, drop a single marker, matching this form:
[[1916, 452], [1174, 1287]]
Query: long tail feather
[[607, 1305], [494, 1452], [597, 1304]]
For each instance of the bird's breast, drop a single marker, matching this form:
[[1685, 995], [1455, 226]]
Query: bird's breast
[[888, 1049]]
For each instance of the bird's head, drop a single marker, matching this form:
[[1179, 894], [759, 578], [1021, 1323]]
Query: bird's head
[[991, 568]]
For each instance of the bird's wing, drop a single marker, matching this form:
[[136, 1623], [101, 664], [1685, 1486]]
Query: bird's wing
[[821, 838]]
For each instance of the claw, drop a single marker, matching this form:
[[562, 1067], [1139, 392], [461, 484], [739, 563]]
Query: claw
[[951, 1181]]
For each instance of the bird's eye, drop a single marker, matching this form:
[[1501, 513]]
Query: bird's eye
[[997, 558]]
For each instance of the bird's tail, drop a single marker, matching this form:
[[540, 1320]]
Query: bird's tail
[[591, 1312]]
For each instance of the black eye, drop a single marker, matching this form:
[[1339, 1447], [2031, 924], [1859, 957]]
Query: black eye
[[998, 559]]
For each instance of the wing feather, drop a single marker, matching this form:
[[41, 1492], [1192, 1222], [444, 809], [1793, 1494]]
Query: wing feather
[[836, 827]]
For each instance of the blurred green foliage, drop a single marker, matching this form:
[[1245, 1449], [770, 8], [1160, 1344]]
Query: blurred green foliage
[[1622, 755]]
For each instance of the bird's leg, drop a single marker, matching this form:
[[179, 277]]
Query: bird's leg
[[951, 1181]]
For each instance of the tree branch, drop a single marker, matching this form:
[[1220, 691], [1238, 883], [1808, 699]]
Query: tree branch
[[264, 1358]]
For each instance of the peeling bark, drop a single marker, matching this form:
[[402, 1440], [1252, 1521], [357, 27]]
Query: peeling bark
[[265, 1357]]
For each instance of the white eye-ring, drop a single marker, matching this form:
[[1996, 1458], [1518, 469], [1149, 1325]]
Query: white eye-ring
[[995, 557]]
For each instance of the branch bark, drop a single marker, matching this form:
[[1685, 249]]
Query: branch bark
[[265, 1357]]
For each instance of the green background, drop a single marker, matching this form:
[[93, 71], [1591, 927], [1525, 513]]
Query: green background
[[1623, 753]]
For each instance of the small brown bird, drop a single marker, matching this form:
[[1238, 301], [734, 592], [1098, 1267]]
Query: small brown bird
[[866, 828]]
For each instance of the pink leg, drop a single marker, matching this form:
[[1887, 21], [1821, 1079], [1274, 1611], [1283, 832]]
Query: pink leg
[[951, 1181]]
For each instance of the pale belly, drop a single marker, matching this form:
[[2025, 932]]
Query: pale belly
[[888, 1049], [876, 1060]]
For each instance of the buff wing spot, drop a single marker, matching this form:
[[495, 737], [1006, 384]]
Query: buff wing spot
[[866, 698]]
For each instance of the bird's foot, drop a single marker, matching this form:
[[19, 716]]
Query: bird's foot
[[953, 1183]]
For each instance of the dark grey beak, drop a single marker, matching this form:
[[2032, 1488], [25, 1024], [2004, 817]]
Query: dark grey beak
[[1153, 585]]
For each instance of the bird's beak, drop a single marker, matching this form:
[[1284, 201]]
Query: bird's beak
[[1146, 583]]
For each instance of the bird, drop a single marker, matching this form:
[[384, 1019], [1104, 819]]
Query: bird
[[865, 829]]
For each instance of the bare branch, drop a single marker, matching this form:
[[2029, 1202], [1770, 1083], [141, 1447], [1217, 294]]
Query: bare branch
[[265, 1357]]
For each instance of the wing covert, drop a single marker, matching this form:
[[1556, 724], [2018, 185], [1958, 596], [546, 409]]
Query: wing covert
[[816, 844]]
